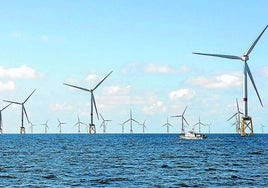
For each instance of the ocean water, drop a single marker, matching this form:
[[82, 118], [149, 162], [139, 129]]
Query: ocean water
[[138, 160]]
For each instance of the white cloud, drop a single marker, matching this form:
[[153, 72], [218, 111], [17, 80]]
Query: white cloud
[[223, 81], [265, 71], [44, 38], [181, 94], [22, 72], [157, 69], [116, 90], [7, 86], [61, 107], [154, 107], [91, 78], [16, 35]]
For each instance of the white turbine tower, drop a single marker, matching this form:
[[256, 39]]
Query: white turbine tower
[[167, 124], [182, 120], [92, 128], [246, 119]]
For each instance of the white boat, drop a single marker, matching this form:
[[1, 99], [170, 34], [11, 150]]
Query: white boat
[[193, 136]]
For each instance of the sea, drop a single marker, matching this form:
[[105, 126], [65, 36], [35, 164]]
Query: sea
[[132, 160]]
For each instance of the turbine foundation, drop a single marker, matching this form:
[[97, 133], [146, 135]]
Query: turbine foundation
[[92, 129], [22, 130], [246, 126]]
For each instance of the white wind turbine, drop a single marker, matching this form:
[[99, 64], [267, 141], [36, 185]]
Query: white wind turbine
[[1, 121], [78, 124], [199, 123], [237, 116], [246, 120], [131, 120], [59, 125], [23, 111], [46, 126], [182, 120], [103, 124], [167, 124], [92, 128], [143, 126]]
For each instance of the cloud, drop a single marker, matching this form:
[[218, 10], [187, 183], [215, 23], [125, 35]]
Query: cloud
[[156, 106], [61, 107], [7, 86], [181, 94], [157, 69], [91, 78], [44, 38], [116, 90], [223, 81], [22, 72]]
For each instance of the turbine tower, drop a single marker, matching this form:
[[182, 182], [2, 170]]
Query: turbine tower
[[143, 126], [23, 111], [1, 122], [182, 120], [59, 125], [237, 115], [131, 120], [31, 127], [103, 124], [199, 123], [167, 124], [79, 124], [46, 126], [92, 128], [246, 119]]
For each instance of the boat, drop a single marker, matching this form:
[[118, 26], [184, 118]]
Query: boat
[[191, 135]]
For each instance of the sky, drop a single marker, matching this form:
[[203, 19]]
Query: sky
[[148, 45]]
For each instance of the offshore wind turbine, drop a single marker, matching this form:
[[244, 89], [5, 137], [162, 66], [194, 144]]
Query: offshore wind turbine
[[143, 126], [246, 119], [167, 124], [78, 124], [182, 120], [103, 124], [131, 121], [199, 123], [46, 126], [122, 125], [23, 111], [59, 125], [92, 128], [237, 116], [31, 127], [1, 121]]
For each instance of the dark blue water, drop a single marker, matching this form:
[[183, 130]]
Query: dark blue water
[[123, 160]]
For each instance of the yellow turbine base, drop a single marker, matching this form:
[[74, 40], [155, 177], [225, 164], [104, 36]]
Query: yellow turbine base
[[22, 130], [246, 128]]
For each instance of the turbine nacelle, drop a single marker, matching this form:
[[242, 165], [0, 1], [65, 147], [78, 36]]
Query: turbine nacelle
[[245, 58]]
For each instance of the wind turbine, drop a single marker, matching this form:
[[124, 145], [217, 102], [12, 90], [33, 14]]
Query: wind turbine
[[103, 124], [92, 128], [167, 124], [246, 119], [1, 122], [46, 126], [143, 126], [23, 111], [199, 123], [131, 120], [122, 125], [182, 120], [79, 123], [59, 125], [31, 127], [237, 115]]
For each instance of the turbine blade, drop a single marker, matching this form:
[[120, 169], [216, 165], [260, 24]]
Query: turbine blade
[[85, 89], [220, 55], [232, 117], [184, 110], [255, 42], [102, 81], [29, 96], [177, 116], [101, 117], [186, 121], [12, 102], [95, 106], [6, 106], [126, 121], [253, 83], [23, 108], [237, 106], [135, 121]]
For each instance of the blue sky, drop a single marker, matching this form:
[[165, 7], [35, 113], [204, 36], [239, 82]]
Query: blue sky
[[147, 44]]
